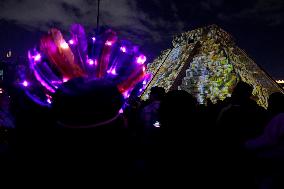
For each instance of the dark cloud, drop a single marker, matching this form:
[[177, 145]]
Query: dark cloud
[[35, 14], [268, 12], [71, 9], [211, 4], [152, 23], [124, 15]]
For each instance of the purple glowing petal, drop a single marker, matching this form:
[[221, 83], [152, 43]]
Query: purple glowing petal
[[120, 111], [71, 41], [25, 83], [38, 76], [35, 99], [56, 82], [37, 57], [141, 59], [123, 49], [42, 82], [29, 55], [144, 82], [113, 72], [126, 94]]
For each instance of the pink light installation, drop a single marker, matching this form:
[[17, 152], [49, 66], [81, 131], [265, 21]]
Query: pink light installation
[[91, 62], [25, 83], [65, 79], [71, 41], [37, 57], [123, 49], [64, 45], [70, 64], [48, 101], [113, 72], [108, 43], [141, 59]]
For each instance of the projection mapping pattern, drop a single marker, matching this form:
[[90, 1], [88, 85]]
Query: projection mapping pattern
[[212, 70]]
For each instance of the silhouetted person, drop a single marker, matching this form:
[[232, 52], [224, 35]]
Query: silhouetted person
[[275, 103], [269, 145], [132, 110], [239, 121], [177, 109], [149, 113], [274, 130], [242, 118], [179, 159], [7, 134], [88, 138]]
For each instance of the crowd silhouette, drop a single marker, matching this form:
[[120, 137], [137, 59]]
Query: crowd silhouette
[[169, 139]]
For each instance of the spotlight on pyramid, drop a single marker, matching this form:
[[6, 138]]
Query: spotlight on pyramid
[[207, 63]]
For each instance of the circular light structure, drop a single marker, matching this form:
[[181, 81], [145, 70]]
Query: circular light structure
[[62, 63]]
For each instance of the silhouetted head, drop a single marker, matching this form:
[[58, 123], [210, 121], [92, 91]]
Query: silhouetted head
[[242, 91], [177, 109], [157, 93], [81, 102], [276, 103]]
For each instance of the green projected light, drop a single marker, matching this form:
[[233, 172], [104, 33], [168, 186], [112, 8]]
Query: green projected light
[[207, 63]]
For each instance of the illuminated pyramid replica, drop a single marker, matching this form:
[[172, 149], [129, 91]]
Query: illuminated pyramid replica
[[207, 63]]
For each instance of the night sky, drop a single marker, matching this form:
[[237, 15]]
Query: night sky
[[257, 25]]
